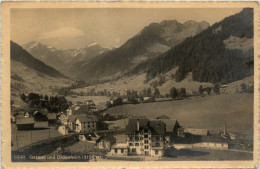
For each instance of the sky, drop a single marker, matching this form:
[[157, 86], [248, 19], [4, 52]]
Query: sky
[[75, 28]]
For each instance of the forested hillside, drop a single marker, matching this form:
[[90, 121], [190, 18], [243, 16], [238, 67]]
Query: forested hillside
[[207, 56]]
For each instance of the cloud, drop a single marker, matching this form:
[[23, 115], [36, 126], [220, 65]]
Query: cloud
[[62, 32]]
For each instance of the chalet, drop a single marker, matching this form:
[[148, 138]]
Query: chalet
[[171, 126], [119, 149], [72, 119], [86, 123], [90, 103], [40, 115], [106, 142], [63, 119], [76, 110], [145, 137], [26, 123], [52, 119]]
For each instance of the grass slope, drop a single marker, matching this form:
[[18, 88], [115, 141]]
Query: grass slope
[[236, 110]]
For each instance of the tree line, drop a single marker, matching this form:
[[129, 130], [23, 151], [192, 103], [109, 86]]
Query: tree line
[[53, 104]]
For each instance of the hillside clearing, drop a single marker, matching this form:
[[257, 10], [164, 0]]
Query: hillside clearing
[[211, 112]]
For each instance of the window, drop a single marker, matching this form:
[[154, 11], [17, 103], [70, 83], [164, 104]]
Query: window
[[146, 153], [115, 150], [88, 126], [157, 144], [146, 147], [146, 141], [156, 152], [93, 125], [133, 150], [145, 136], [122, 150], [157, 138], [130, 144], [131, 138], [136, 144], [145, 131], [136, 138]]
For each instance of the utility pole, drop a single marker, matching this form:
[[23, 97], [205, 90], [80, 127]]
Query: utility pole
[[31, 137], [85, 146], [49, 132], [16, 141]]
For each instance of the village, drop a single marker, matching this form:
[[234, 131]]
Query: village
[[118, 137]]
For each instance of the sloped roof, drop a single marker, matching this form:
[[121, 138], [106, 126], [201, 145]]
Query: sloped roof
[[156, 126], [28, 120], [132, 125], [109, 138], [73, 117], [87, 118], [163, 117], [120, 145], [94, 118], [169, 124]]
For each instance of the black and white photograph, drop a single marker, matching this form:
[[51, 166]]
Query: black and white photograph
[[132, 84]]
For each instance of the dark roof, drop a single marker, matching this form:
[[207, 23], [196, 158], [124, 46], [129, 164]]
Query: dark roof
[[73, 117], [94, 118], [27, 120], [109, 138], [157, 127], [163, 117], [169, 124], [213, 138], [52, 116], [132, 125], [87, 118]]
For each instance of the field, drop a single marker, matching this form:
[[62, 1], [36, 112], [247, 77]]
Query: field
[[100, 101], [42, 131], [33, 81], [211, 112]]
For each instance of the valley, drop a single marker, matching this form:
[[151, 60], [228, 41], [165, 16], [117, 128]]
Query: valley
[[182, 88]]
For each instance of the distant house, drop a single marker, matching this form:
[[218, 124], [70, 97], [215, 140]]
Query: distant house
[[72, 119], [40, 115], [69, 111], [86, 123], [147, 99], [106, 142], [194, 131], [120, 149], [26, 123], [77, 109], [52, 119], [63, 119]]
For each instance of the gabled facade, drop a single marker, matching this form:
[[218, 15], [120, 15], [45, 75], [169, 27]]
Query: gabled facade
[[145, 137], [86, 123]]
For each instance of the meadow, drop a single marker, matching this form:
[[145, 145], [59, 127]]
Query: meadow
[[210, 112]]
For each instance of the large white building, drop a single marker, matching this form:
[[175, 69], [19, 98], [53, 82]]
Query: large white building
[[145, 137]]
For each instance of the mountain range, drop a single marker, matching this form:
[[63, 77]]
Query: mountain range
[[31, 74], [195, 51], [63, 60], [151, 41], [221, 53]]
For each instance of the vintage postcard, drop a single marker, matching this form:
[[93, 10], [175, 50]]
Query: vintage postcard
[[130, 85]]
